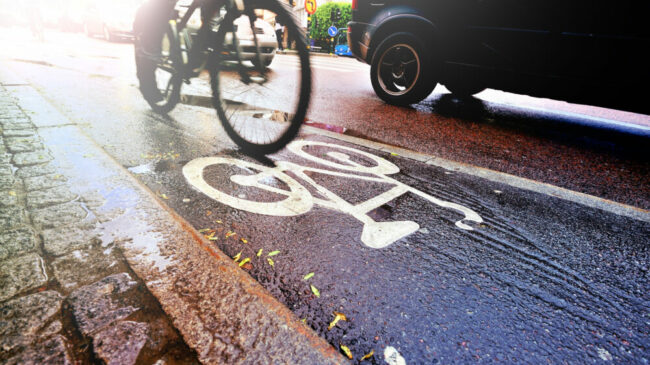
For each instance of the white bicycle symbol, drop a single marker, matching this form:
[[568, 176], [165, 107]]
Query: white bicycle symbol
[[299, 200]]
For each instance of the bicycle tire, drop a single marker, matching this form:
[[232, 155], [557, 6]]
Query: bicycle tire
[[256, 146], [150, 54]]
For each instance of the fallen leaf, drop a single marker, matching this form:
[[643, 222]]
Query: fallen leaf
[[394, 154], [164, 196], [244, 261], [337, 317], [273, 253], [230, 234], [304, 320], [208, 213], [204, 230], [259, 253], [244, 240], [315, 291], [12, 193], [368, 355], [270, 261], [186, 200], [346, 351], [212, 238], [308, 276], [218, 221], [237, 256]]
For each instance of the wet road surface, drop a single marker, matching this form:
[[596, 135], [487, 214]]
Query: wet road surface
[[536, 278]]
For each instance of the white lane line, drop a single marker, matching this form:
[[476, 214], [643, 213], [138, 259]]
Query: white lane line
[[496, 176]]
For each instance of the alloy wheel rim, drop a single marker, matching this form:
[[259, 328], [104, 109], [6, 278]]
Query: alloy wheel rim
[[398, 69]]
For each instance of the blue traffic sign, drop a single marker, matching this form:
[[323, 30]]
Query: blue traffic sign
[[332, 31]]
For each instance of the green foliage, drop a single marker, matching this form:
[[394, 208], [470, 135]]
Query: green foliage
[[323, 15]]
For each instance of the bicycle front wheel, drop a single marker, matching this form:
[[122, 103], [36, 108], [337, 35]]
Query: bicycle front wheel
[[261, 83]]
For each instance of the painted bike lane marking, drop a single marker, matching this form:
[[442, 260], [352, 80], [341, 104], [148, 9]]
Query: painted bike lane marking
[[298, 200]]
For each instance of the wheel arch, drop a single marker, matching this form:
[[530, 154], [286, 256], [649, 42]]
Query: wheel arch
[[403, 23]]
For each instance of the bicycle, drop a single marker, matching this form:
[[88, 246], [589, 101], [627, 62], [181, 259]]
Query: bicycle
[[234, 44], [343, 162]]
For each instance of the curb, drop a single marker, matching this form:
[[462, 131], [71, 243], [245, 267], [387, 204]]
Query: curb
[[221, 312]]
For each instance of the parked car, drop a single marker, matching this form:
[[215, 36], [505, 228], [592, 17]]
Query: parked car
[[587, 51], [112, 20], [264, 31], [342, 48]]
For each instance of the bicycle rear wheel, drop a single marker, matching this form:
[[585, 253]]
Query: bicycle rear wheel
[[261, 95], [158, 63]]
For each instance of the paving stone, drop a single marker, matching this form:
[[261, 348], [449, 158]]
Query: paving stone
[[18, 132], [81, 267], [11, 217], [16, 123], [11, 113], [44, 198], [8, 198], [51, 351], [44, 181], [35, 170], [24, 144], [20, 274], [121, 343], [62, 240], [7, 181], [58, 215], [31, 158], [5, 169], [25, 318], [100, 304], [16, 242]]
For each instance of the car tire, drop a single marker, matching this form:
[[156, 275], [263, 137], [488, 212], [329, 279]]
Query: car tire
[[403, 71]]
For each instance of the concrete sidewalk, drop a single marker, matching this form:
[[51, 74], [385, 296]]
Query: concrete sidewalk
[[93, 267]]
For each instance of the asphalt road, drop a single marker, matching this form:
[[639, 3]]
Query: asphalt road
[[424, 262]]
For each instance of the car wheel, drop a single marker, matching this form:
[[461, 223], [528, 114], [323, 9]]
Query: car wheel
[[107, 34], [402, 71]]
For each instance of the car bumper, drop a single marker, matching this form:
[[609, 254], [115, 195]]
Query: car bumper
[[268, 49], [358, 40]]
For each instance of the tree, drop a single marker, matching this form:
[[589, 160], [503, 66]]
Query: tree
[[324, 21]]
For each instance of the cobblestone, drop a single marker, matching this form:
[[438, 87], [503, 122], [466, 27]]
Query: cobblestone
[[8, 198], [16, 242], [102, 303], [5, 169], [18, 132], [45, 181], [121, 343], [23, 144], [52, 351], [62, 240], [85, 266], [11, 217], [58, 215], [7, 181], [24, 318], [31, 158], [52, 196], [20, 274], [35, 170], [16, 123]]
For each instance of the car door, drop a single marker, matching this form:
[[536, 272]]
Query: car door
[[602, 41]]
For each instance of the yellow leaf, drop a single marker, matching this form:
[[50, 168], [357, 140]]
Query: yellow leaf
[[164, 196], [237, 256], [259, 253], [244, 240], [204, 230], [12, 193], [244, 261], [337, 317], [211, 238], [346, 351], [368, 355], [218, 221], [270, 261], [304, 320], [208, 213], [394, 154], [308, 276], [273, 253], [230, 234], [315, 291]]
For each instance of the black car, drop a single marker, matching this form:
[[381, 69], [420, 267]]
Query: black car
[[588, 51]]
